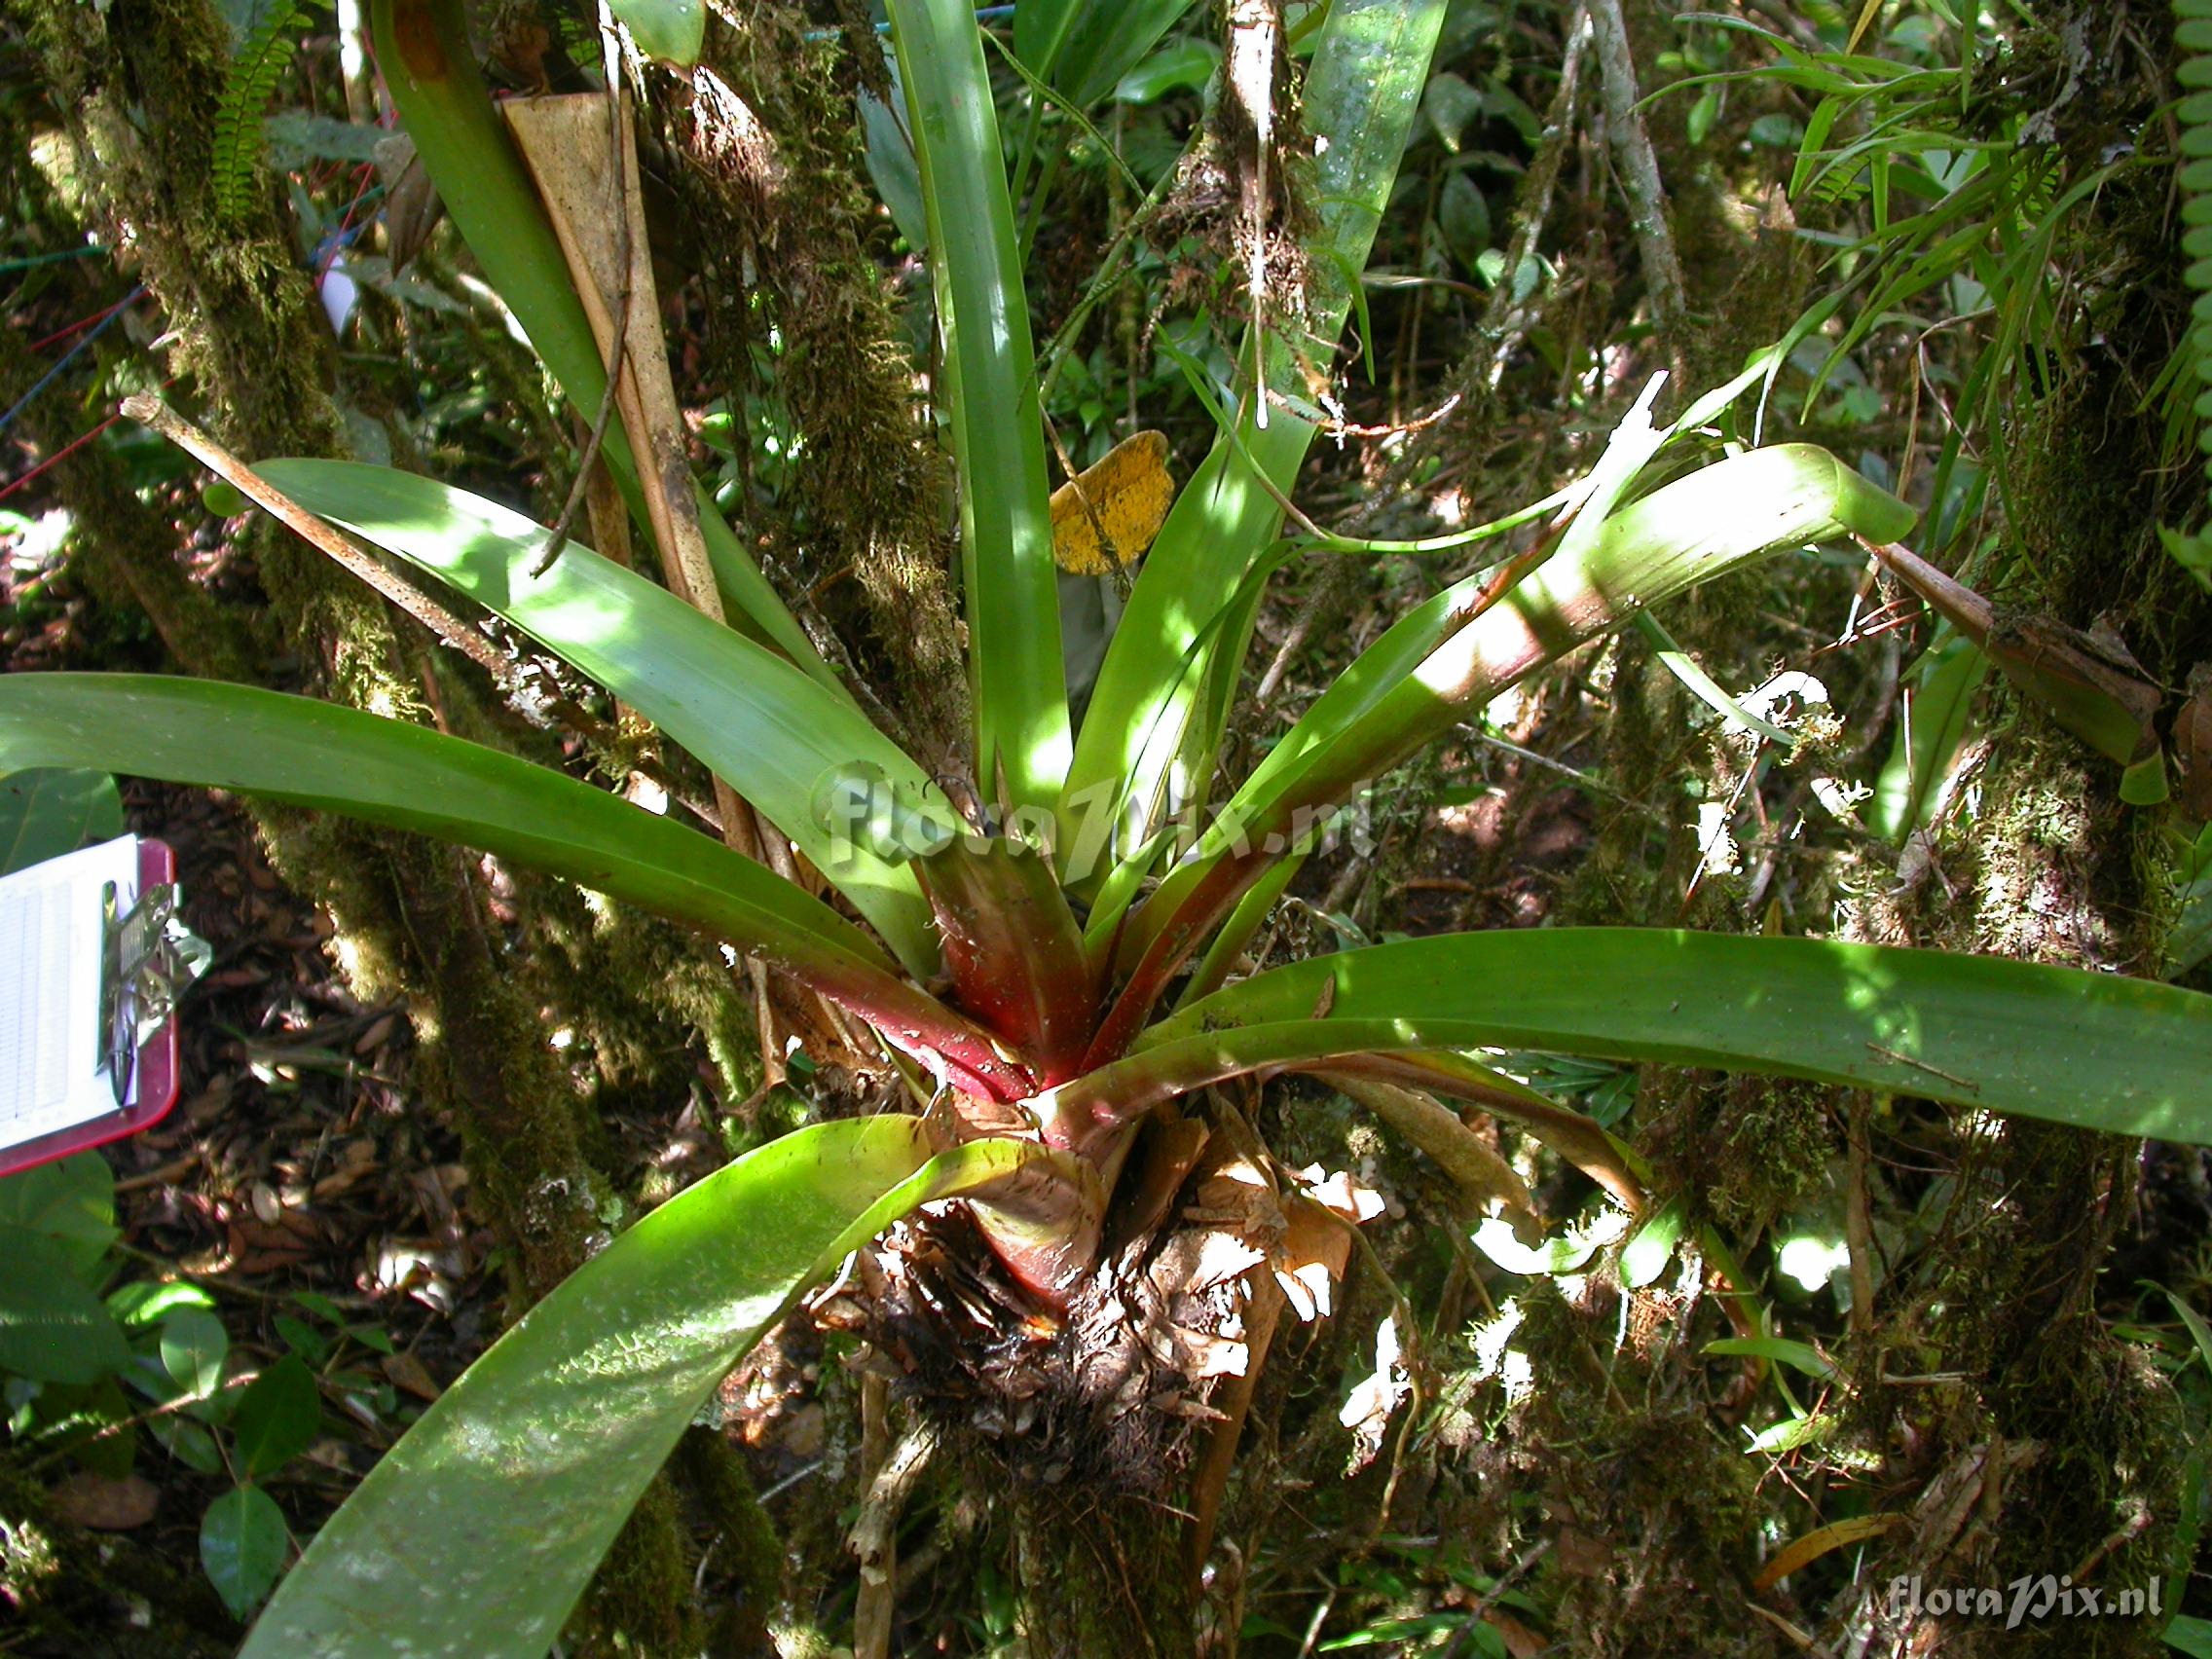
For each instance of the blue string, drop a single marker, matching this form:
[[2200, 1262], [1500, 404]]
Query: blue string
[[43, 380], [333, 240]]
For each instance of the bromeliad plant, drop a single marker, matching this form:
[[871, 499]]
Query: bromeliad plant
[[1045, 965]]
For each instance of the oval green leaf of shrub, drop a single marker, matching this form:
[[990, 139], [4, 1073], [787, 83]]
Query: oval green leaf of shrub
[[241, 1547], [53, 1328], [478, 1532], [277, 1417], [224, 500], [71, 1200], [194, 1346]]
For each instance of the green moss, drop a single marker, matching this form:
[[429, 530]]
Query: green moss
[[27, 1561], [1657, 1516], [637, 992], [640, 1601], [788, 239], [2099, 1441], [1751, 1148], [1099, 1575], [746, 1549], [70, 1591]]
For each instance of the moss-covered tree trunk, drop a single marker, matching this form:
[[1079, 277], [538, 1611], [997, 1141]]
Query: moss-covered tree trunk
[[135, 87], [1101, 1575]]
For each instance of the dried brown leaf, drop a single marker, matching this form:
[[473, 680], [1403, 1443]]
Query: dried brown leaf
[[87, 1500]]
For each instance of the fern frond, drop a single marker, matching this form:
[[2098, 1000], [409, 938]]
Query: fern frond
[[2192, 33], [247, 90]]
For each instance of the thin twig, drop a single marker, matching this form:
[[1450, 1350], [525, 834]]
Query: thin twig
[[877, 1546], [610, 56], [875, 1533], [1253, 31], [151, 411], [1640, 168], [1505, 318], [1337, 428]]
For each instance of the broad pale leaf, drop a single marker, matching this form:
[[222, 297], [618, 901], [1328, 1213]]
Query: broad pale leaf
[[478, 1532]]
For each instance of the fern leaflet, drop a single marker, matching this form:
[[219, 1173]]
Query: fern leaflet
[[2192, 33], [247, 90]]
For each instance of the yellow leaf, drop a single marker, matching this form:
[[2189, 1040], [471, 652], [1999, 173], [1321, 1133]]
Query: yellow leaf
[[1866, 22], [1818, 1542], [1125, 496]]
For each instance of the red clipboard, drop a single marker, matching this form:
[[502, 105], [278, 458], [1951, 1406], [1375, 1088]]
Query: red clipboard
[[154, 1077]]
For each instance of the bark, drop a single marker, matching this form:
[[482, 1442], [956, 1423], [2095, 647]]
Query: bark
[[137, 87], [1103, 1574]]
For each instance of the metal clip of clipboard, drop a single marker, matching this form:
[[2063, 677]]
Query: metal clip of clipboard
[[149, 960]]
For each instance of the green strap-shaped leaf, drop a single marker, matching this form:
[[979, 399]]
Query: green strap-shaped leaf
[[1365, 85], [990, 397], [422, 54], [2098, 1050], [1039, 29], [1431, 670], [310, 753], [751, 717], [1941, 688], [478, 1532], [1090, 1113]]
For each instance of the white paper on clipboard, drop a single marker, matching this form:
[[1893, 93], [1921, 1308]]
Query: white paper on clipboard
[[56, 1068]]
